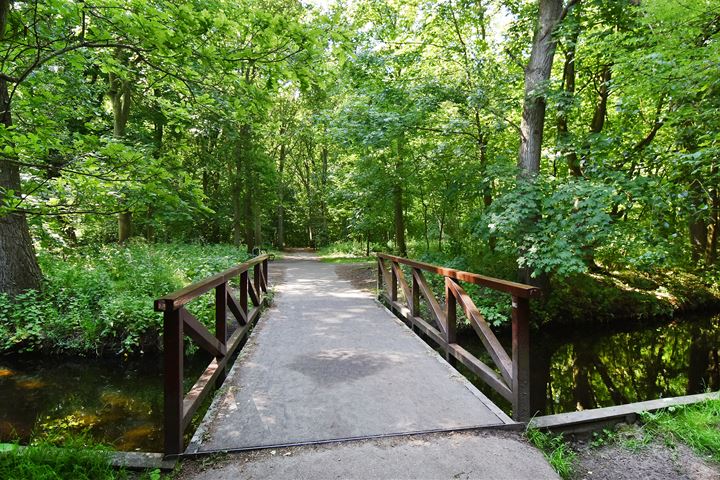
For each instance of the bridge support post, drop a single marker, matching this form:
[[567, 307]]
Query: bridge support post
[[221, 324], [521, 359], [451, 317], [173, 346]]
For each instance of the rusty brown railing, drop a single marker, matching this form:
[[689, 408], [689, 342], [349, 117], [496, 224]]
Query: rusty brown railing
[[513, 380], [178, 322]]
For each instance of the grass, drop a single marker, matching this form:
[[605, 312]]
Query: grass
[[556, 451], [347, 259], [697, 425], [79, 459]]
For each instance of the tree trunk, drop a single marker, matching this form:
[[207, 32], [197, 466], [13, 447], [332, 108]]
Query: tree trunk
[[564, 138], [399, 220], [119, 93], [537, 74], [19, 269], [124, 226], [280, 240]]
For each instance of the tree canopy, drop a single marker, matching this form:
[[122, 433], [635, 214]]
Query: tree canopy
[[559, 137]]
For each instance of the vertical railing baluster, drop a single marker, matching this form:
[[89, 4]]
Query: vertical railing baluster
[[415, 304], [393, 284], [265, 274], [244, 285], [256, 280], [221, 323], [174, 352], [451, 317], [521, 358], [379, 276]]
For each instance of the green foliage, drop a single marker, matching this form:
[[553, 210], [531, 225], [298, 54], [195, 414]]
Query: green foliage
[[100, 299], [555, 450], [77, 458], [696, 425]]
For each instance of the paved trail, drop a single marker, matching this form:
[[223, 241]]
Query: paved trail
[[326, 363]]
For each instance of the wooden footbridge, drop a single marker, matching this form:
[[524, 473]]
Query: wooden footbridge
[[328, 362]]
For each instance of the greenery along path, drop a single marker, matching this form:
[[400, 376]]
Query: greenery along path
[[441, 127], [327, 362]]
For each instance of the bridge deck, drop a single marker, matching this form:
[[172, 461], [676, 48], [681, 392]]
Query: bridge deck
[[326, 362]]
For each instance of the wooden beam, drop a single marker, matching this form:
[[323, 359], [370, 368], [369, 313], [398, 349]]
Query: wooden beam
[[475, 365], [173, 352], [513, 288], [180, 297], [426, 292], [237, 312], [397, 271], [201, 335], [491, 343], [253, 294], [521, 359], [385, 274]]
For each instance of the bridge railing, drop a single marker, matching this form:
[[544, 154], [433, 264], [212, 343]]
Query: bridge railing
[[178, 322], [513, 380]]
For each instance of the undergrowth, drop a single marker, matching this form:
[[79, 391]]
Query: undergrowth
[[99, 300]]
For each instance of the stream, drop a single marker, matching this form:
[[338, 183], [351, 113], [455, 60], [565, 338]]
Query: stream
[[119, 402]]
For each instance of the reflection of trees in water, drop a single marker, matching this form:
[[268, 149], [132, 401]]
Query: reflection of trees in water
[[604, 369]]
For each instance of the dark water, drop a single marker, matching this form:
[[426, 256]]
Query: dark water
[[117, 402], [588, 368]]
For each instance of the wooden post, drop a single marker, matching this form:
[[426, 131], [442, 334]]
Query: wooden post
[[393, 286], [451, 316], [265, 273], [221, 324], [244, 292], [173, 352], [256, 280], [521, 358], [415, 304], [379, 276]]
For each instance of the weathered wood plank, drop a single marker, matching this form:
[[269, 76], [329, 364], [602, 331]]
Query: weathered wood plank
[[397, 271], [236, 310], [475, 365], [513, 288], [427, 293], [180, 297], [491, 343], [198, 332]]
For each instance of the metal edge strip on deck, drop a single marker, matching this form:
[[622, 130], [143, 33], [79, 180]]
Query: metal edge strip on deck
[[359, 438]]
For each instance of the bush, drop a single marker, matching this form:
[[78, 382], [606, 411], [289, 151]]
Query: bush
[[100, 299]]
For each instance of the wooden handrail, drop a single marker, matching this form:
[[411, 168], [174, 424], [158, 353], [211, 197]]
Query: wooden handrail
[[178, 322], [513, 380], [513, 288], [180, 297]]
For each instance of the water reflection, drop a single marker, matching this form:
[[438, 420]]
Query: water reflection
[[584, 369], [116, 402], [604, 369]]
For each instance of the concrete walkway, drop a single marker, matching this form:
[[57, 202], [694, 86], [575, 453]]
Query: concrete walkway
[[327, 363]]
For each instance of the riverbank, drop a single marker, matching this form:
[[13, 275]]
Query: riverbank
[[676, 443]]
